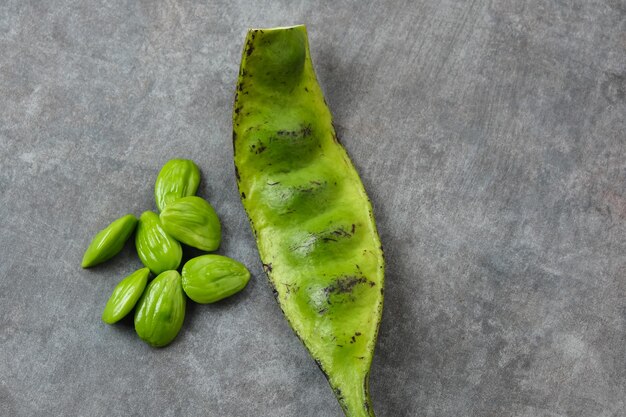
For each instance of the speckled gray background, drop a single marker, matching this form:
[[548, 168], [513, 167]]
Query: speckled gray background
[[490, 136]]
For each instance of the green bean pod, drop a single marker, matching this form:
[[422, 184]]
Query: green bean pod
[[311, 216]]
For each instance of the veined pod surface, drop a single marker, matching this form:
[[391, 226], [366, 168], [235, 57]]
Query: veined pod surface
[[161, 310], [156, 248], [312, 219], [125, 296], [192, 221], [210, 278], [109, 241], [178, 178]]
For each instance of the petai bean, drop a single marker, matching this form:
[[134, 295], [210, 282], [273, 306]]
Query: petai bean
[[178, 178], [156, 248], [210, 278], [161, 310], [192, 221], [125, 296], [109, 241]]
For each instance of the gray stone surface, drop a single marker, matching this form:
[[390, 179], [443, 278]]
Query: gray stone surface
[[490, 136]]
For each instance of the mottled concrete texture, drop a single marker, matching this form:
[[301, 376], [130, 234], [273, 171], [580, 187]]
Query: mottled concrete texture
[[490, 136]]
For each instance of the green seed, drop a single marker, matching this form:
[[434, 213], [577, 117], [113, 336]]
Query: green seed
[[192, 221], [125, 296], [178, 178], [161, 311], [210, 278], [109, 241], [156, 248]]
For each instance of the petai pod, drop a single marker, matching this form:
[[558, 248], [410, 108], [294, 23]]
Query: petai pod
[[178, 178], [109, 241], [210, 278], [125, 296], [192, 221], [161, 310], [156, 248], [308, 209]]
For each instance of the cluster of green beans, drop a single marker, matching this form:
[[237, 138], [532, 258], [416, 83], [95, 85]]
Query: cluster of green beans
[[184, 218]]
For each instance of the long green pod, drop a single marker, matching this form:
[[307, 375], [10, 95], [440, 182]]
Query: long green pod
[[310, 214]]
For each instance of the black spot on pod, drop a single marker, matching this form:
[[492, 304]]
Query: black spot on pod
[[243, 195], [346, 284], [338, 393]]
